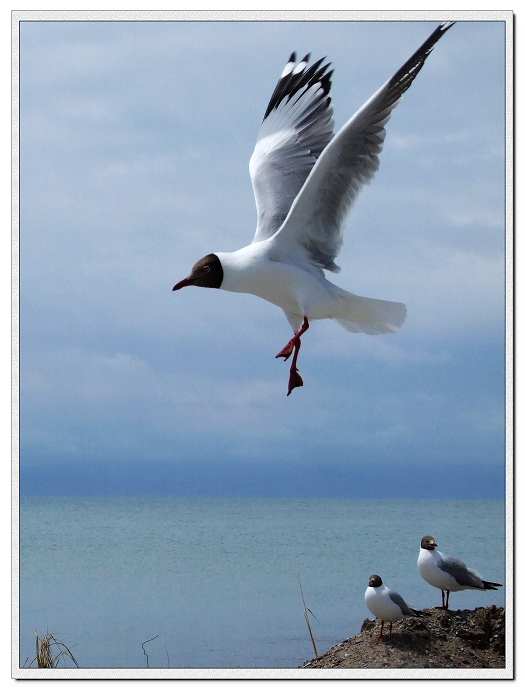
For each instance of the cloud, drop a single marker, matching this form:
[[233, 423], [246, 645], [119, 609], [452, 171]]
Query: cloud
[[135, 141]]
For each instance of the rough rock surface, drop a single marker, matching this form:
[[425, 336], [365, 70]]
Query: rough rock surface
[[437, 639]]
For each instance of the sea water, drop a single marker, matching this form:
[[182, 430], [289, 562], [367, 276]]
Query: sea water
[[214, 583]]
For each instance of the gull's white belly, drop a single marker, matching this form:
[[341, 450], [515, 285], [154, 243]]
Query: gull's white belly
[[433, 575], [382, 606], [288, 286]]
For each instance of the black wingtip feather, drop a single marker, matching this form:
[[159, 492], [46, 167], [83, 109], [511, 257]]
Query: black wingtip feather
[[404, 77], [291, 83], [491, 586]]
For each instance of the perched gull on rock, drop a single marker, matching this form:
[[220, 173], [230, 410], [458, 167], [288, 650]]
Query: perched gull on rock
[[385, 604], [305, 181], [447, 573]]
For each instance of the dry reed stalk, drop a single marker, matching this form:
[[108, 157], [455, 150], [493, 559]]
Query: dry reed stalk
[[306, 618]]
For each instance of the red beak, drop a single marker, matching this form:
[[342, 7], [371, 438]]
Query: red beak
[[183, 283]]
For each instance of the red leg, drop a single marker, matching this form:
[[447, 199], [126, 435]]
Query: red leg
[[295, 378], [448, 593], [289, 347], [380, 635], [293, 346]]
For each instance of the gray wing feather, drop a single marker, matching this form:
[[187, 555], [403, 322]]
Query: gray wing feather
[[296, 128], [457, 569], [347, 163], [398, 600]]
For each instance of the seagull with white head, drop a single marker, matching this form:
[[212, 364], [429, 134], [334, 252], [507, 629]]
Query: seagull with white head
[[305, 181]]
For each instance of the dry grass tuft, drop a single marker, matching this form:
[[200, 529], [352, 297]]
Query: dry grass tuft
[[50, 651]]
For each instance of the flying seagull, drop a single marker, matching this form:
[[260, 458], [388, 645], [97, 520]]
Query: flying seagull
[[448, 573], [305, 180], [385, 604]]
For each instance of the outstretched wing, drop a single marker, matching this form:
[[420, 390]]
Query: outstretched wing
[[296, 127], [347, 163]]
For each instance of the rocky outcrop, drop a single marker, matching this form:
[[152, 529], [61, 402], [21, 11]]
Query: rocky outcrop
[[437, 639]]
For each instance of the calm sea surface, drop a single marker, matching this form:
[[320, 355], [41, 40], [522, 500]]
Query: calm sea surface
[[217, 579]]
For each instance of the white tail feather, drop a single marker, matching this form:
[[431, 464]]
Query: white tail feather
[[372, 316]]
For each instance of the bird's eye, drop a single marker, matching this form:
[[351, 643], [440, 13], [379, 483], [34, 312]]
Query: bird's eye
[[206, 268]]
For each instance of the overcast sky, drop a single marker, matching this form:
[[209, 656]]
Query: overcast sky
[[135, 142]]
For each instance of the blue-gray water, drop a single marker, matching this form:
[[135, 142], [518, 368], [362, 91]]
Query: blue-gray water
[[217, 580]]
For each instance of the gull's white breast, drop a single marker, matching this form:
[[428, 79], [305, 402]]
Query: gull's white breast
[[291, 287], [427, 565], [381, 605]]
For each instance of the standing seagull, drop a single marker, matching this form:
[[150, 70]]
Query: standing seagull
[[386, 604], [447, 573], [305, 180]]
